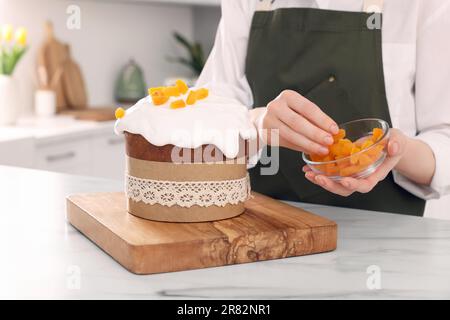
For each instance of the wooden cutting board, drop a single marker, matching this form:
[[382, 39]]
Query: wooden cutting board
[[92, 114], [268, 229], [73, 84], [63, 74], [51, 56]]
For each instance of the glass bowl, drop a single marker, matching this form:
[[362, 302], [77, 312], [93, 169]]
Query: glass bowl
[[359, 164]]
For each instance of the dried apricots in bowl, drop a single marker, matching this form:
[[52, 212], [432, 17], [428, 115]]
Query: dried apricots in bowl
[[358, 149]]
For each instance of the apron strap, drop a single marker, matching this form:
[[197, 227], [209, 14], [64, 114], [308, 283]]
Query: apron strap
[[373, 6]]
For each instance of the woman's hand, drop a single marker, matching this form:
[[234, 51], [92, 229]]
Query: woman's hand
[[299, 124], [396, 149]]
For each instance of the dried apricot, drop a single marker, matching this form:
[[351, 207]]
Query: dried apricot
[[120, 113], [191, 98], [366, 144], [182, 86], [346, 147], [348, 171], [364, 160], [331, 169], [335, 150], [151, 91], [201, 93], [172, 91], [177, 104], [354, 156], [159, 98], [377, 133], [340, 135]]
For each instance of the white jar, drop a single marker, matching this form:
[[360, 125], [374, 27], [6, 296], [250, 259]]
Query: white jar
[[45, 103]]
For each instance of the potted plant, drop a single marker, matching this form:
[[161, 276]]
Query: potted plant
[[12, 48], [195, 59]]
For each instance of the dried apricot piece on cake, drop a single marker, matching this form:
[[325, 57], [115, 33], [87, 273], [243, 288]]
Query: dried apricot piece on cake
[[182, 86], [201, 93], [159, 98], [172, 91], [191, 98], [151, 91], [177, 104], [120, 113]]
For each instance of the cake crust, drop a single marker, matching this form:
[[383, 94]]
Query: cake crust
[[139, 148]]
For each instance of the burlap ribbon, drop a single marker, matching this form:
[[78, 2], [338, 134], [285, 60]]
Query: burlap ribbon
[[223, 179]]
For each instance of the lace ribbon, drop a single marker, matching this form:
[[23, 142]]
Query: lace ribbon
[[188, 193]]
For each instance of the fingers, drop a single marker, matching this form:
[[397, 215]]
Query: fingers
[[310, 111], [397, 143], [328, 184], [299, 124], [355, 185], [366, 185], [345, 187], [291, 139], [382, 171], [302, 125]]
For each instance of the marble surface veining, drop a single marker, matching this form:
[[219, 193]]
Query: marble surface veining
[[44, 257]]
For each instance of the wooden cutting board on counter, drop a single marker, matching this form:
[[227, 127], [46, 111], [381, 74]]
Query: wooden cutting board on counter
[[268, 229], [73, 84], [92, 114]]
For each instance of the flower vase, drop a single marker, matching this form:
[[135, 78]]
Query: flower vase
[[9, 100]]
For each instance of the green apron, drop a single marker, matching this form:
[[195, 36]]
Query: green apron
[[334, 60]]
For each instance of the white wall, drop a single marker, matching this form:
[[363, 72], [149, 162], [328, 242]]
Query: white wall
[[110, 34], [206, 20]]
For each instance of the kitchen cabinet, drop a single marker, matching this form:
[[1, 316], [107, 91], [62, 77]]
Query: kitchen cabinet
[[65, 145], [64, 156], [16, 151], [108, 156]]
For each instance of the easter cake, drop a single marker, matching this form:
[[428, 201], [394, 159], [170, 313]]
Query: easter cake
[[186, 153]]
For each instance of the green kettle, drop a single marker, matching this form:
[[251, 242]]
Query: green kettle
[[130, 85]]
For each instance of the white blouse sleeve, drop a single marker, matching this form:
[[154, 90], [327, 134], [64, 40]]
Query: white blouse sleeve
[[224, 71], [432, 94]]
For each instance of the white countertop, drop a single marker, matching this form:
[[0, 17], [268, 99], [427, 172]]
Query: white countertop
[[44, 257], [47, 129]]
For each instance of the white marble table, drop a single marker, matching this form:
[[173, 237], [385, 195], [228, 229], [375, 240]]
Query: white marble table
[[42, 256]]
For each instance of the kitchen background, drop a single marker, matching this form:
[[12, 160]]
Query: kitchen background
[[111, 33]]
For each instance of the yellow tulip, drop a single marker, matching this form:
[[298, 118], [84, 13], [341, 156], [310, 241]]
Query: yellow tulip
[[7, 31], [21, 36]]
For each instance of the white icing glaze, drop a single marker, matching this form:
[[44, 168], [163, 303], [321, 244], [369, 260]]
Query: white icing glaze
[[215, 120]]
